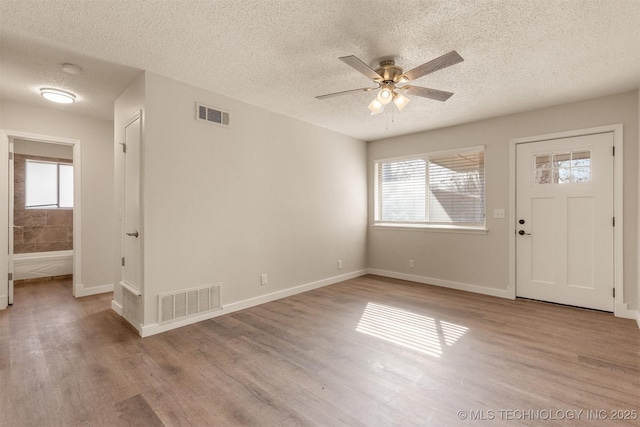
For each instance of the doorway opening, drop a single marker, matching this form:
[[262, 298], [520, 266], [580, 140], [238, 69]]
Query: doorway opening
[[42, 189]]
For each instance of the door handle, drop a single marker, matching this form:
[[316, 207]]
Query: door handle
[[522, 233], [134, 234]]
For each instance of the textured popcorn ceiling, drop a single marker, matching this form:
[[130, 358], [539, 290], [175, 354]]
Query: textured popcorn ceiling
[[277, 54]]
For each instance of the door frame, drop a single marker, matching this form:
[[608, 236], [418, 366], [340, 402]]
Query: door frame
[[133, 290], [5, 136], [620, 308]]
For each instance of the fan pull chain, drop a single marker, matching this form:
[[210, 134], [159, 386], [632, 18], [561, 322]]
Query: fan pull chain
[[386, 116]]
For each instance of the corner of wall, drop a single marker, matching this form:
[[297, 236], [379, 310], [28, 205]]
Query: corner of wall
[[130, 102], [83, 291], [117, 307], [494, 292]]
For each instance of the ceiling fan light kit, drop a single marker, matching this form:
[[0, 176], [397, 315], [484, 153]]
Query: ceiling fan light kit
[[376, 106], [386, 94], [388, 75], [400, 100]]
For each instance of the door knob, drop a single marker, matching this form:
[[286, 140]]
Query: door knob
[[521, 221], [134, 234], [522, 233]]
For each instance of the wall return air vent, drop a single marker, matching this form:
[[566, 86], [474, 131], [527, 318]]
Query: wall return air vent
[[204, 113], [183, 304]]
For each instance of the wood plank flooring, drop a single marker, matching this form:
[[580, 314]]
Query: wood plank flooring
[[366, 352]]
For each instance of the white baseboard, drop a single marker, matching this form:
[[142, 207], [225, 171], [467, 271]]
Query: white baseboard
[[155, 328], [631, 314], [502, 293], [117, 307], [82, 291], [621, 310], [262, 299]]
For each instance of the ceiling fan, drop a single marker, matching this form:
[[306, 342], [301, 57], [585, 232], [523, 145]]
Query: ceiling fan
[[388, 75]]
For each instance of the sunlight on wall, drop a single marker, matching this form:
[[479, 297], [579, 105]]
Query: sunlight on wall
[[410, 330]]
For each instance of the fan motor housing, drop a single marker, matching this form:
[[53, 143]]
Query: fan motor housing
[[389, 71]]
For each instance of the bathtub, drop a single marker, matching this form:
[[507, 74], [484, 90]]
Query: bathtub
[[42, 264]]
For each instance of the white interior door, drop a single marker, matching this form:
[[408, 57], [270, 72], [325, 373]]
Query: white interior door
[[131, 239], [564, 215], [11, 226]]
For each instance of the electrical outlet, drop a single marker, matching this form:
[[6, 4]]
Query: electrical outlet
[[263, 279], [339, 264], [411, 264]]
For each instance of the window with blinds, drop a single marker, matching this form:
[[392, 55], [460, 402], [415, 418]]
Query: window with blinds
[[445, 188]]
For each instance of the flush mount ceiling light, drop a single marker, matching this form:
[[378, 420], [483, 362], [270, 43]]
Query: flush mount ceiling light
[[388, 75], [57, 95]]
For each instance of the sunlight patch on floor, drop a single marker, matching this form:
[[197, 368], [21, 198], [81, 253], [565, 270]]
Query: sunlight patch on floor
[[410, 330]]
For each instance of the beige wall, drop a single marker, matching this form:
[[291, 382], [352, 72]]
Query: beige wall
[[269, 195], [96, 139], [482, 260], [34, 148]]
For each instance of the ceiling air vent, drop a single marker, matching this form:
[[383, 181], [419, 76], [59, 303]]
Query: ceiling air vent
[[204, 113]]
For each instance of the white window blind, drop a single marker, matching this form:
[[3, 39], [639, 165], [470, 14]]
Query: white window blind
[[442, 188], [456, 188], [403, 187], [65, 186], [41, 184], [48, 185]]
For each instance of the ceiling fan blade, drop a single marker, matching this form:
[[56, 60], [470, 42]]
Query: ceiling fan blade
[[425, 92], [446, 60], [346, 92], [361, 67]]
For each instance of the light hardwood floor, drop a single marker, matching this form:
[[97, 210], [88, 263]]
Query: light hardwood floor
[[367, 352]]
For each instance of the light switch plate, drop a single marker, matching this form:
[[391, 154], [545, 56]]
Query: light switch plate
[[498, 213]]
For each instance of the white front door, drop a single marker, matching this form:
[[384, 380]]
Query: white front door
[[131, 239], [564, 221]]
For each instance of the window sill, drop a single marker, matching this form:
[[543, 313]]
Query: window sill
[[431, 228], [48, 209]]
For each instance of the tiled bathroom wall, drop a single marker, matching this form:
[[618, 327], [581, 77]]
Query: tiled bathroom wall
[[38, 230]]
